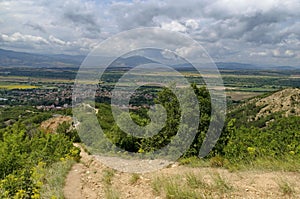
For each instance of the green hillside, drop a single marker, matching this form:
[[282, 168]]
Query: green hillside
[[266, 127]]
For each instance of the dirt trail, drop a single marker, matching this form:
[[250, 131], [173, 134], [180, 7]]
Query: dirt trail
[[85, 180]]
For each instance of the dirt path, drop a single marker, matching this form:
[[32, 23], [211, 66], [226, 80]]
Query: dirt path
[[84, 179], [87, 180], [91, 179]]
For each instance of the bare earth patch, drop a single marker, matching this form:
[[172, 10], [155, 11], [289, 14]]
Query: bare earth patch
[[86, 180], [51, 124], [286, 101]]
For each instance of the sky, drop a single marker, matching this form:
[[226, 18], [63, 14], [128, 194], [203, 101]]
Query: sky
[[261, 32]]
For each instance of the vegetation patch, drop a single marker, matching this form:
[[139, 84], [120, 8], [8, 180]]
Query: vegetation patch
[[17, 86]]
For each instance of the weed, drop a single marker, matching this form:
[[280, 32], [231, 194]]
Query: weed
[[157, 185], [108, 174], [134, 178], [111, 193], [173, 188], [220, 184], [193, 162], [285, 187], [194, 181], [175, 191], [216, 161], [55, 179]]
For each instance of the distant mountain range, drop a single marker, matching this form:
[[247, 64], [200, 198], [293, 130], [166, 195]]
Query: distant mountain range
[[13, 58], [132, 61], [9, 58]]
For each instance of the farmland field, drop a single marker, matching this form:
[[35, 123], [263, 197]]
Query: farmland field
[[239, 84], [16, 86]]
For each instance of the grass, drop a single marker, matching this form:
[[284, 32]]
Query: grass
[[111, 193], [109, 190], [289, 164], [17, 86], [156, 185], [175, 191], [190, 185], [194, 162], [134, 178], [107, 177], [195, 182], [173, 188], [285, 187], [240, 95], [55, 179], [220, 183], [33, 79]]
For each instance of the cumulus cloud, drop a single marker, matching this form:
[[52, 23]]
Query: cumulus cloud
[[191, 23], [18, 37], [57, 41], [173, 26], [283, 53], [238, 30], [262, 53], [168, 54]]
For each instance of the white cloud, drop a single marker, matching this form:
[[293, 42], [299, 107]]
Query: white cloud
[[229, 29], [168, 54], [173, 26], [57, 41], [18, 37], [262, 53], [282, 53], [289, 53], [191, 23]]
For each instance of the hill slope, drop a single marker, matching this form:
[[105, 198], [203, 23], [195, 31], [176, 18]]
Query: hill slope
[[286, 101], [261, 110]]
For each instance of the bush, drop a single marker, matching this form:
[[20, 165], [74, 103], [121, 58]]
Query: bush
[[23, 158]]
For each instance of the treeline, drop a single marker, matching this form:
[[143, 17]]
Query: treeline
[[51, 73], [148, 143], [242, 140]]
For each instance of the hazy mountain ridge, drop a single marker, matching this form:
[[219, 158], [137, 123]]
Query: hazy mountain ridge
[[10, 58], [13, 58]]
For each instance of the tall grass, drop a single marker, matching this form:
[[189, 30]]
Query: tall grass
[[107, 176], [195, 182], [109, 190], [220, 183], [285, 187], [55, 179], [266, 164], [134, 178], [190, 185], [111, 193]]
